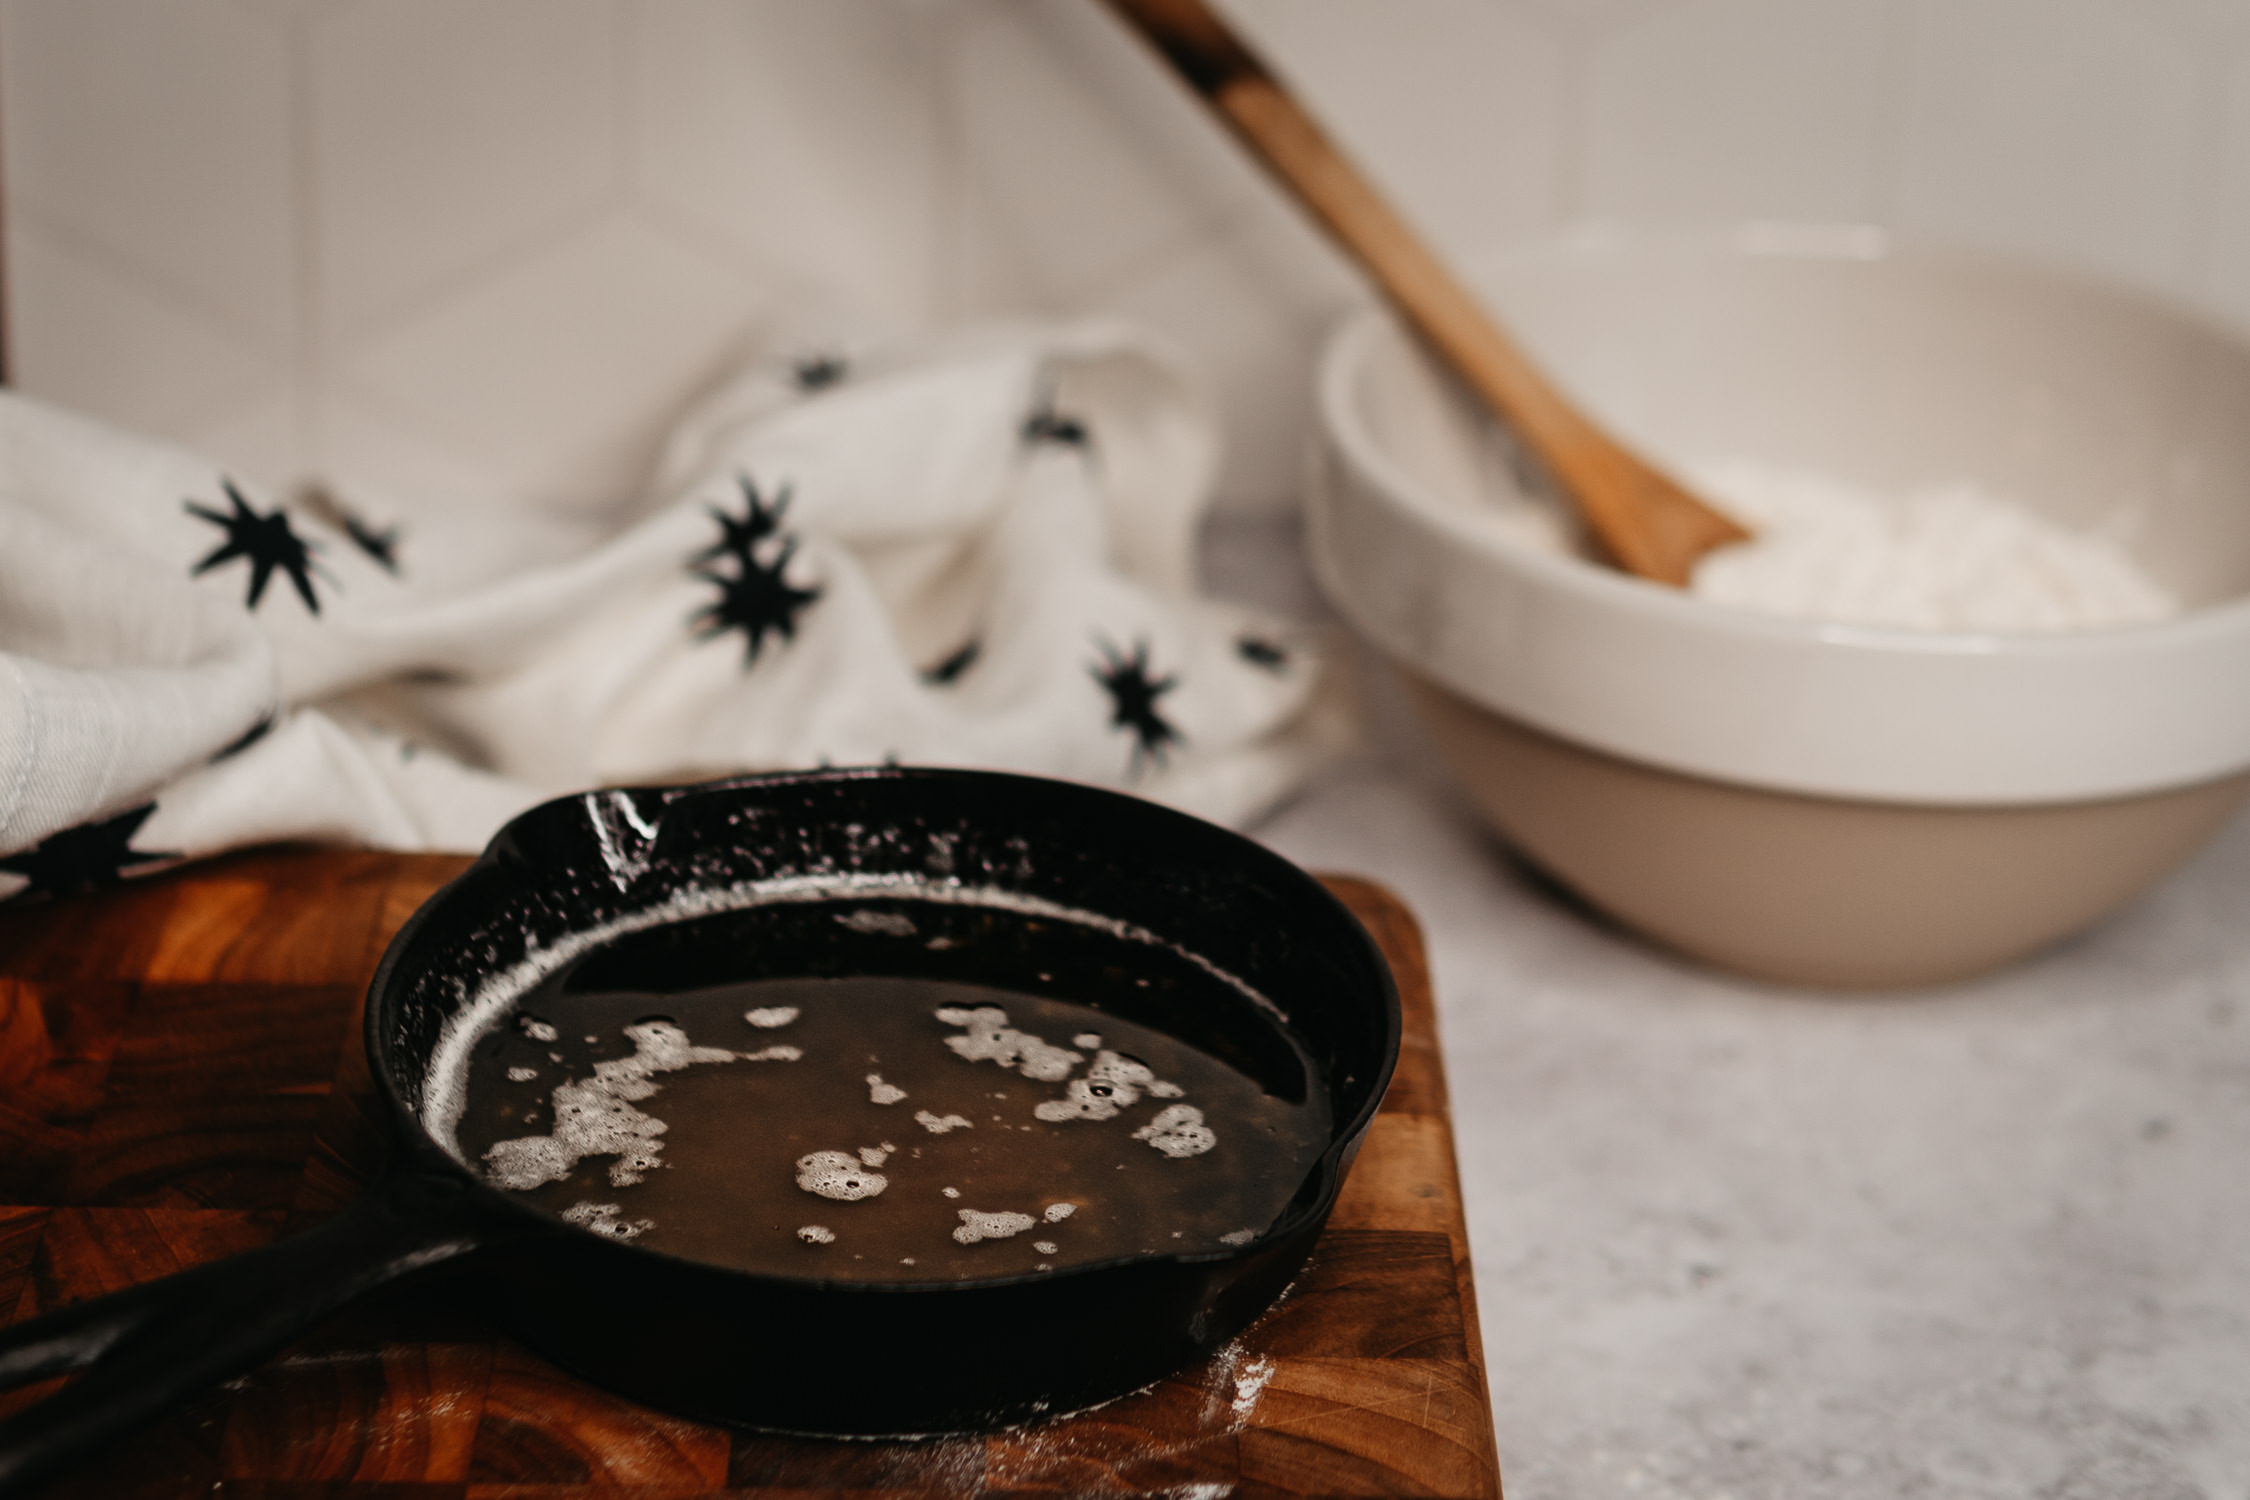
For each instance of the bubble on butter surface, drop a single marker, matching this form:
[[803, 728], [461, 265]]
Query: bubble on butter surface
[[875, 1156], [1112, 1083], [1057, 1212], [607, 1220], [1238, 1237], [940, 1124], [989, 1038], [879, 1092], [839, 1175], [817, 1234], [1178, 1130], [536, 1029], [1045, 1247], [782, 1053], [522, 1075], [768, 1017], [976, 1225], [595, 1116]]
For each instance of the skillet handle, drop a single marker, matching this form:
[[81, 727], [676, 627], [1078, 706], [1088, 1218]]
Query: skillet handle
[[154, 1345]]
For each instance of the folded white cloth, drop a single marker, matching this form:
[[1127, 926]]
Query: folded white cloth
[[976, 551]]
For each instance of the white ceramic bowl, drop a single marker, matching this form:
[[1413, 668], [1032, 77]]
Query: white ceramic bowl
[[1812, 801]]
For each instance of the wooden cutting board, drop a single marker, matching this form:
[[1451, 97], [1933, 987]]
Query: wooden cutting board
[[181, 1078]]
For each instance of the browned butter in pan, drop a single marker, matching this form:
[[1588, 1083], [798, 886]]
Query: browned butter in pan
[[879, 1128]]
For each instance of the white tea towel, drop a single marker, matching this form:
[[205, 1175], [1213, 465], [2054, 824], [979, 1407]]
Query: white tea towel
[[976, 551]]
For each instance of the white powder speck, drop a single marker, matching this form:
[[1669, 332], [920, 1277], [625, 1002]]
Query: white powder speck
[[1238, 1237], [1087, 1039], [951, 1192], [782, 1053], [1951, 556], [879, 1092], [940, 1124], [817, 1234], [767, 1017], [1045, 1247], [875, 1156], [537, 1030], [522, 1075], [1250, 1383]]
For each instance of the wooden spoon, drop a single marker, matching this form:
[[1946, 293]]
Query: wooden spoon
[[1649, 524]]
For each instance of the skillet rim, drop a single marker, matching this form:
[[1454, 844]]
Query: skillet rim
[[1328, 1169]]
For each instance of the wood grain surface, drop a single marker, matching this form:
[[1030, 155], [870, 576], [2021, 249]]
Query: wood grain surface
[[181, 1079]]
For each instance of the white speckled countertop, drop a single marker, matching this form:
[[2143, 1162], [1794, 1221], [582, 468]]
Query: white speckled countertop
[[1731, 1240]]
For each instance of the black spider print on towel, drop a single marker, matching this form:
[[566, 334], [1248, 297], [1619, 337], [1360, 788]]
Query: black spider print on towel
[[1133, 696], [266, 541], [817, 372], [382, 545], [737, 535], [84, 858], [320, 502], [1260, 652], [756, 597], [1045, 425], [948, 671]]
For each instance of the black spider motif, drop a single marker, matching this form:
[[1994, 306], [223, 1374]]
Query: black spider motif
[[949, 670], [1133, 701], [1260, 652], [244, 740], [382, 545], [739, 534], [266, 541], [1044, 424], [817, 372], [756, 597], [84, 858]]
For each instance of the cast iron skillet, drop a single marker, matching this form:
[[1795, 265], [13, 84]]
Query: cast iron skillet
[[743, 879]]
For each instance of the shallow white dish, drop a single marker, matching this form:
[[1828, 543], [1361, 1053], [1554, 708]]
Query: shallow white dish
[[1830, 352]]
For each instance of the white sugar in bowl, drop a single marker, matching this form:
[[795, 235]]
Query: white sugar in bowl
[[1794, 798]]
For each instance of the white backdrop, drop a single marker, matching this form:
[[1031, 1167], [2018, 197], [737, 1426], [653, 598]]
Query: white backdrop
[[483, 249]]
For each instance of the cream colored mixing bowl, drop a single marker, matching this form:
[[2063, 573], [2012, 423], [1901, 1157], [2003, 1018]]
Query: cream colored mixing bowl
[[1806, 801]]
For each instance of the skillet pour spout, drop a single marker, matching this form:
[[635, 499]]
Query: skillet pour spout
[[1030, 885]]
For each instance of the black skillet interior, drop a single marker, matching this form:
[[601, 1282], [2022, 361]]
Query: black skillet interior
[[683, 882]]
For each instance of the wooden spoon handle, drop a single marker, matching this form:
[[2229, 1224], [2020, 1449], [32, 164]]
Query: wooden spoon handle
[[1647, 522]]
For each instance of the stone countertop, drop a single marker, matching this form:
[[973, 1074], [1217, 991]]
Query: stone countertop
[[1732, 1239]]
